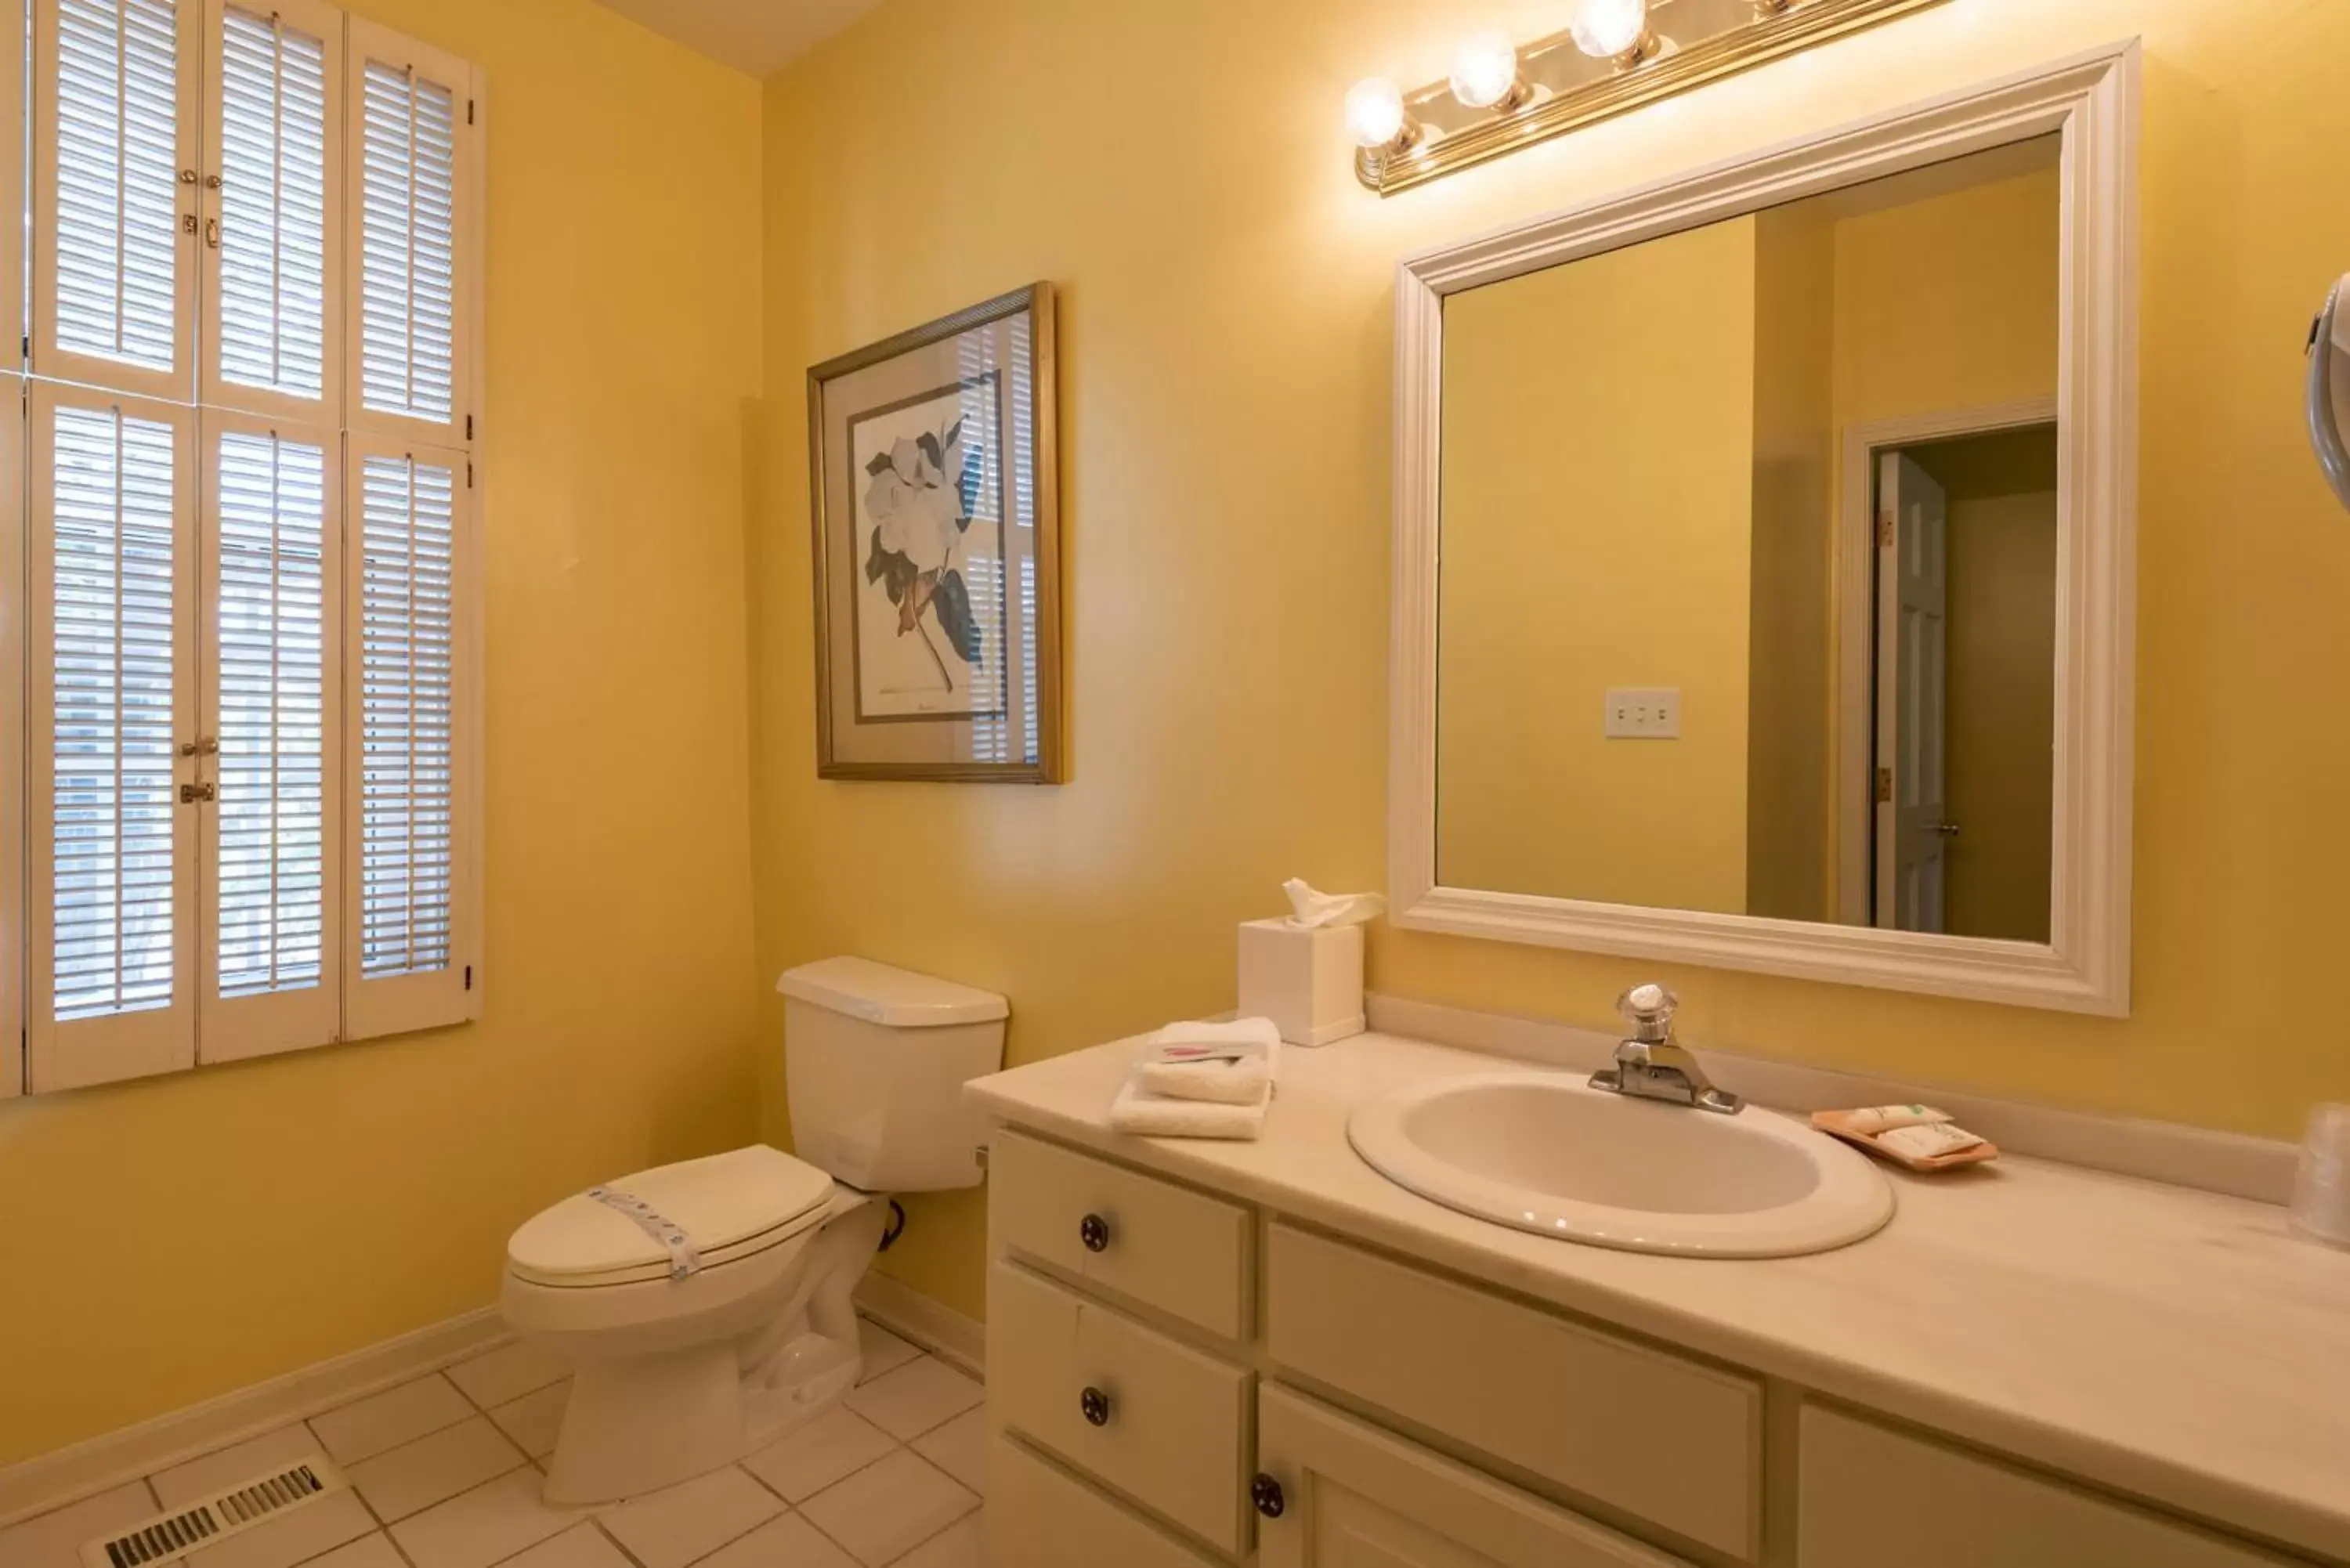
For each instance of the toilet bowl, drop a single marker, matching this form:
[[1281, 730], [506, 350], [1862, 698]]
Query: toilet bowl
[[704, 1308]]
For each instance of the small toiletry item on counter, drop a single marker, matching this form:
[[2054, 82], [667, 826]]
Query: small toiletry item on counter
[[1305, 972], [1228, 1063], [1918, 1137], [2321, 1190]]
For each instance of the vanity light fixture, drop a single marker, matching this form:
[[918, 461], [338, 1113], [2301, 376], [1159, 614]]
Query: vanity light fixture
[[1485, 73], [1610, 57], [1376, 119], [1615, 30]]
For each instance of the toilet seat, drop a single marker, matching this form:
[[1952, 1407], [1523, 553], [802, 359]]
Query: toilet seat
[[732, 1205]]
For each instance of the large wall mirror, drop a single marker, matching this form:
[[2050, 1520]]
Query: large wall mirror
[[1765, 568]]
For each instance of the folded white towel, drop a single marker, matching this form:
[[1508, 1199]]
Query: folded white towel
[[1138, 1111], [1217, 1079], [1241, 1037]]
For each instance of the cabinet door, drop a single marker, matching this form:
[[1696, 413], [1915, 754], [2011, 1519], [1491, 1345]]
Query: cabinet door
[[1865, 1486], [1351, 1496]]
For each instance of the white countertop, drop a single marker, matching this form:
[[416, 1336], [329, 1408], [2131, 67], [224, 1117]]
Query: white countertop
[[2162, 1341]]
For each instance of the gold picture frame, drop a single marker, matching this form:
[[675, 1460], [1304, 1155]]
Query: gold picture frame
[[934, 506]]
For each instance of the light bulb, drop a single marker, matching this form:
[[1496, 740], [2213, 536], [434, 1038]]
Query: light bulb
[[1611, 29], [1485, 71], [1375, 116]]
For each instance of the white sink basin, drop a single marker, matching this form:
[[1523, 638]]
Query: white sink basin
[[1547, 1153]]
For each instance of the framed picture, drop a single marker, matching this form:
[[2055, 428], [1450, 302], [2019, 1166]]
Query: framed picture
[[934, 475]]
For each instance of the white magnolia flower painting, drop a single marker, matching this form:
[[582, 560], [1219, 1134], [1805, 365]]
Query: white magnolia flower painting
[[935, 510], [930, 552]]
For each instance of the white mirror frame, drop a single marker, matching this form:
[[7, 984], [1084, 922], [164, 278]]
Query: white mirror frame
[[2094, 101]]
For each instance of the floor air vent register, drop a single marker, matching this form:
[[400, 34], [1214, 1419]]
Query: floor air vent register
[[215, 1518]]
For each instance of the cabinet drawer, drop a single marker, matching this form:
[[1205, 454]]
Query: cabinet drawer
[[1039, 1517], [1870, 1495], [1174, 1436], [1354, 1495], [1176, 1250], [1666, 1440]]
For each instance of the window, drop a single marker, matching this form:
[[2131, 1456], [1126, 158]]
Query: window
[[239, 599]]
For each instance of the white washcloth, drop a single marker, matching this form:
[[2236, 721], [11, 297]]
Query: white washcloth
[[1216, 1079], [1240, 1038], [1137, 1110]]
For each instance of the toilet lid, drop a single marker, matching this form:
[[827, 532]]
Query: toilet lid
[[729, 1205]]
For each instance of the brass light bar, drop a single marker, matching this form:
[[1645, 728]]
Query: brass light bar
[[1570, 89]]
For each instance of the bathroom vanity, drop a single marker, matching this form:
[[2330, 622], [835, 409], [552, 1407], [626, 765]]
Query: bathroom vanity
[[1203, 1353]]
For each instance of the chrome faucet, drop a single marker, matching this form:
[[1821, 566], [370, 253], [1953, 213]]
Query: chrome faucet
[[1652, 1064]]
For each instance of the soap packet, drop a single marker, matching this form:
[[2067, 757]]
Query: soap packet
[[1916, 1137]]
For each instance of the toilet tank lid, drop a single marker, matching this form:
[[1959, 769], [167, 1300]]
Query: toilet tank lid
[[898, 997]]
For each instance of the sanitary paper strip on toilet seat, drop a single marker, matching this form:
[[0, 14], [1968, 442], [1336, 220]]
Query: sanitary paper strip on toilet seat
[[682, 1259]]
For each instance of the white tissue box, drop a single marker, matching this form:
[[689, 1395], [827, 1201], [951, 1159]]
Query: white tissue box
[[1309, 982]]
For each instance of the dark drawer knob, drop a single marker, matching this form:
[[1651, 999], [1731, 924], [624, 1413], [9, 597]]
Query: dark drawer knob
[[1096, 1405], [1094, 1231], [1265, 1492]]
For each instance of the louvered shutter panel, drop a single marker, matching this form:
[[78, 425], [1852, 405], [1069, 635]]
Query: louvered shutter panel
[[15, 110], [412, 838], [111, 628], [115, 179], [272, 240], [11, 737], [272, 975], [413, 252]]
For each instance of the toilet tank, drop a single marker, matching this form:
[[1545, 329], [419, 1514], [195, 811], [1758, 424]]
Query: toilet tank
[[875, 1060]]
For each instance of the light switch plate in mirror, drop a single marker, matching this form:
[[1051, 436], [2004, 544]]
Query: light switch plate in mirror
[[2078, 422]]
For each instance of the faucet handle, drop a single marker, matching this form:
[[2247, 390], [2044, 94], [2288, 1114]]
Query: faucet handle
[[1649, 1010]]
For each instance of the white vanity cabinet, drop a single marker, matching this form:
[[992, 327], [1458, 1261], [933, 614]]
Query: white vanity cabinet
[[1355, 1497], [1178, 1378]]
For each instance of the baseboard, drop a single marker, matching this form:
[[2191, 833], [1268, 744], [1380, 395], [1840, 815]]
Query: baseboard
[[937, 1328], [70, 1474]]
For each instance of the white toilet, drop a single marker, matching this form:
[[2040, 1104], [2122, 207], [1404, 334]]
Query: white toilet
[[703, 1307]]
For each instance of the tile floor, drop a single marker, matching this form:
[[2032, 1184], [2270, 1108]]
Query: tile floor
[[445, 1473]]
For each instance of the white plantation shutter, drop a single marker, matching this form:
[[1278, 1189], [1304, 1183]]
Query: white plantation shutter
[[11, 737], [114, 174], [410, 746], [273, 243], [111, 629], [272, 708], [15, 110], [239, 648], [411, 236]]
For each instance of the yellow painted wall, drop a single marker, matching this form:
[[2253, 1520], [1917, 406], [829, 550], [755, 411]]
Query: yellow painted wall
[[1949, 303], [2002, 700], [203, 1232], [1595, 496], [1790, 816], [1227, 403]]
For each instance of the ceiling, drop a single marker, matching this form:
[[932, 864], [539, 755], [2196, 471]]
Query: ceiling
[[756, 36]]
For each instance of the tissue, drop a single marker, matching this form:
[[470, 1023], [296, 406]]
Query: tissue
[[1305, 972], [1312, 911]]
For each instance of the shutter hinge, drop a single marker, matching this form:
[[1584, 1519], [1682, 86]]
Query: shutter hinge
[[469, 476], [469, 112], [1884, 784], [1884, 528], [469, 424], [28, 344], [469, 977]]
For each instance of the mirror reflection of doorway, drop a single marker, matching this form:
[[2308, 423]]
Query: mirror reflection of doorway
[[1963, 681]]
